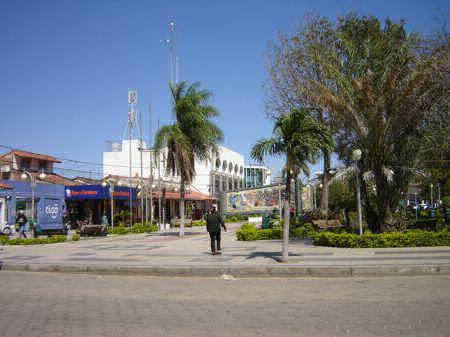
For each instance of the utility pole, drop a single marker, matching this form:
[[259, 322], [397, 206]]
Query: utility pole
[[142, 170], [151, 163], [132, 100], [159, 187]]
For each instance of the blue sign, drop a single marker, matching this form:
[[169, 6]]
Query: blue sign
[[93, 192], [51, 211]]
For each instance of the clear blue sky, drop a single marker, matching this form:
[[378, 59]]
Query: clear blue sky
[[66, 66]]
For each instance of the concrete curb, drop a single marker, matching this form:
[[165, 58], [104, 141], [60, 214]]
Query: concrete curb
[[238, 271]]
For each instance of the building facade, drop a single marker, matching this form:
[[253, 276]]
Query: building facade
[[224, 172], [256, 176]]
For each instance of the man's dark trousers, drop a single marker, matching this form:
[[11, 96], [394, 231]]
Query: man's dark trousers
[[215, 236]]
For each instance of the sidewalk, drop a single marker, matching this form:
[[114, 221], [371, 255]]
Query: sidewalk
[[164, 254]]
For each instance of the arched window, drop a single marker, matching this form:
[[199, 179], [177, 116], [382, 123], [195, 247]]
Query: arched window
[[236, 168], [230, 167], [217, 163], [224, 165]]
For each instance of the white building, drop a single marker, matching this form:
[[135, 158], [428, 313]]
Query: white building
[[256, 175], [225, 172]]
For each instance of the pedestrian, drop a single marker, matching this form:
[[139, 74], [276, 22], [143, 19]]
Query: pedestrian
[[21, 219], [213, 223]]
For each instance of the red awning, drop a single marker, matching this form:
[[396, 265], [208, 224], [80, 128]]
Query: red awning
[[197, 196]]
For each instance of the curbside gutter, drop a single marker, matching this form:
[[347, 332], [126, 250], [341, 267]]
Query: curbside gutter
[[238, 271]]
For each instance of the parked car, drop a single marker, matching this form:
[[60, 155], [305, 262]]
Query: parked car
[[422, 206]]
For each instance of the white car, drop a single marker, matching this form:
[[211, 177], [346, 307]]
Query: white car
[[422, 206]]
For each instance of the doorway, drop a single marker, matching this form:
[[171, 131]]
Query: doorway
[[2, 211]]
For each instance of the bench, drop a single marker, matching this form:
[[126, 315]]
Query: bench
[[255, 220], [331, 223], [93, 230]]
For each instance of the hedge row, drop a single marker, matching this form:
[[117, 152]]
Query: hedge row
[[414, 238], [4, 240], [136, 228], [194, 224], [248, 232]]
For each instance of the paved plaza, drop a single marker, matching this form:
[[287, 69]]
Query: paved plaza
[[165, 253], [59, 305]]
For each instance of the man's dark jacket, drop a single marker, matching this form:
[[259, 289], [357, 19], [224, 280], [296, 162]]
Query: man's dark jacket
[[21, 219], [213, 222]]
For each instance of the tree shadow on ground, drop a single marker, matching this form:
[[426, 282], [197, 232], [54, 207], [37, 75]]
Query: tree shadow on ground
[[276, 256]]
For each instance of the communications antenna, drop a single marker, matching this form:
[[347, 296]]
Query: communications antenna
[[132, 123]]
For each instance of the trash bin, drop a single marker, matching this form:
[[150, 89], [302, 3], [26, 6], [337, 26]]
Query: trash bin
[[447, 214], [37, 230], [432, 213], [265, 221]]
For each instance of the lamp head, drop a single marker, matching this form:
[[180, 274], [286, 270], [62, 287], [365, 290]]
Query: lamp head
[[104, 184], [357, 154], [23, 176], [42, 176], [119, 183]]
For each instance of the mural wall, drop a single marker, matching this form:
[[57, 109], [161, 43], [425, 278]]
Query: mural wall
[[262, 199]]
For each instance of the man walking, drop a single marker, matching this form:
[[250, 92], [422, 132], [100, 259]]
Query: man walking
[[21, 220], [213, 223]]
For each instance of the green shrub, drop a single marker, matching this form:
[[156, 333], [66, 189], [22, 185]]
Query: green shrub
[[248, 232], [137, 228], [36, 241], [413, 238], [75, 237], [198, 223], [119, 230], [232, 218], [3, 240]]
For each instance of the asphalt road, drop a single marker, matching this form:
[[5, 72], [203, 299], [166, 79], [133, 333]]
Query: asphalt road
[[54, 304]]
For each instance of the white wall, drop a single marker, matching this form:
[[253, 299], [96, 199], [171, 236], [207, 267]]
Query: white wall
[[119, 162]]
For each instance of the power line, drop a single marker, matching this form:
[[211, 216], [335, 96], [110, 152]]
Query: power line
[[83, 162]]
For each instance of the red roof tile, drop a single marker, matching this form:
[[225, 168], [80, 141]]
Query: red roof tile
[[50, 178], [25, 154], [5, 187]]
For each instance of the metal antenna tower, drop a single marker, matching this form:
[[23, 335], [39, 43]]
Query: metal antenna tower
[[173, 49], [132, 121]]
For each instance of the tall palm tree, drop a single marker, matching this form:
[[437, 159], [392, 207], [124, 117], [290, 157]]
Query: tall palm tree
[[193, 135], [296, 136]]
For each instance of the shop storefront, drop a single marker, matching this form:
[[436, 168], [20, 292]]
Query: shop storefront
[[195, 206], [92, 202], [48, 200]]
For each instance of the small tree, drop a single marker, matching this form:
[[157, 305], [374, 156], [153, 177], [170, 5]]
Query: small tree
[[296, 136]]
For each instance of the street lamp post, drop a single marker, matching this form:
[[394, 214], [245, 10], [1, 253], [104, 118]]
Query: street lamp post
[[315, 195], [431, 186], [24, 176], [357, 156], [111, 193], [415, 201]]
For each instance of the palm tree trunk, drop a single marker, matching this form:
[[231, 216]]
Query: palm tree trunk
[[384, 209], [285, 248], [296, 195], [325, 189], [182, 188]]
